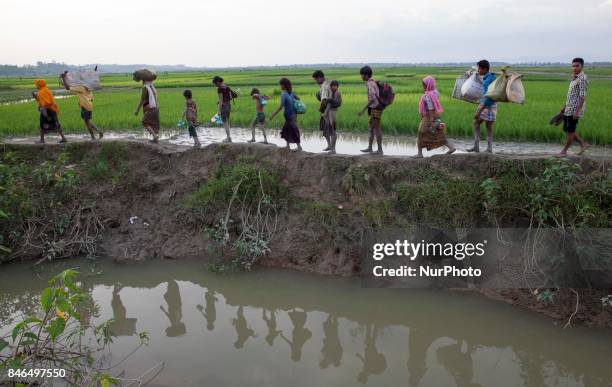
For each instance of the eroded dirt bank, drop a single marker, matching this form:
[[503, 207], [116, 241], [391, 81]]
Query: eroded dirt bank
[[168, 201]]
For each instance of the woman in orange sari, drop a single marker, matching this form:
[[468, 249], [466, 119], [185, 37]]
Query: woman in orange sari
[[49, 111]]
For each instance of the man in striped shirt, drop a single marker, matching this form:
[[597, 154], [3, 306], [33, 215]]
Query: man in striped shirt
[[574, 107]]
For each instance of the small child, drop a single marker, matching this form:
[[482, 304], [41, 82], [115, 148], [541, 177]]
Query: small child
[[191, 115], [260, 117]]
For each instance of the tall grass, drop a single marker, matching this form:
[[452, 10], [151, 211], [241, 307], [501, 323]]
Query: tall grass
[[114, 106]]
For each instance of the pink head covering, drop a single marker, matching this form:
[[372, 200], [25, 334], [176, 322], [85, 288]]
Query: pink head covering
[[432, 93]]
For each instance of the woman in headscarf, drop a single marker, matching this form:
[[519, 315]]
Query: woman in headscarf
[[150, 108], [432, 133], [48, 110]]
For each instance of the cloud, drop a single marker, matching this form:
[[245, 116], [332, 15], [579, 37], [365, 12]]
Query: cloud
[[243, 32]]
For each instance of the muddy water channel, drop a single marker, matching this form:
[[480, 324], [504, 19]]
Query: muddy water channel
[[348, 143], [281, 328]]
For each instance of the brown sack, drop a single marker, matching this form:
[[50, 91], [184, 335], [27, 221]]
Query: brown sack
[[145, 75]]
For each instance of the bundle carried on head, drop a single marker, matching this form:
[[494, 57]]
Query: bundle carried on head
[[145, 75], [88, 78]]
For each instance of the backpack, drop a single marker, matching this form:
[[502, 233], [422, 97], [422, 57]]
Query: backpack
[[231, 94], [386, 95]]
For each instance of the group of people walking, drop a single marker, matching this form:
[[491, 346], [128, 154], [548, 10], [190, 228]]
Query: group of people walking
[[431, 130]]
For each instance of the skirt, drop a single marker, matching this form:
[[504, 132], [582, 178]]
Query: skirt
[[49, 122], [290, 131], [150, 118], [428, 139]]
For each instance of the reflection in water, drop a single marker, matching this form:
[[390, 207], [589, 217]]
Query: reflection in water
[[122, 326], [533, 379], [374, 362], [332, 349], [243, 331], [175, 310], [457, 359], [417, 348], [300, 334], [271, 324], [210, 311], [443, 338]]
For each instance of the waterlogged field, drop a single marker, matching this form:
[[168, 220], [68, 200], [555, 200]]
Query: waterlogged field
[[114, 105]]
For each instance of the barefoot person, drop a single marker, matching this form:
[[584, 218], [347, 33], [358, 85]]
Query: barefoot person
[[224, 104], [574, 107], [260, 117], [332, 112], [431, 130], [48, 110], [487, 109], [374, 110], [85, 103], [191, 115], [150, 109], [290, 132], [324, 95]]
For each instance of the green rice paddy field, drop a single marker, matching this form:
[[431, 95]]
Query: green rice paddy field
[[546, 89]]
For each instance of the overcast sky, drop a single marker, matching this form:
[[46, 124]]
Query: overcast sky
[[269, 32]]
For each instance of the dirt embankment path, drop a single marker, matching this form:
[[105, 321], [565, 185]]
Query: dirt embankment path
[[329, 203]]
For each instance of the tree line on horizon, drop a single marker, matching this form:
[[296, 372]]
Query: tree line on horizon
[[54, 68]]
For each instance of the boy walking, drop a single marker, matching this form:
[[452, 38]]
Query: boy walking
[[374, 110], [224, 104], [85, 103], [260, 116], [191, 115], [486, 111], [574, 107]]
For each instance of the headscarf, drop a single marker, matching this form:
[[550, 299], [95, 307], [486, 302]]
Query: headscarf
[[432, 93], [45, 96]]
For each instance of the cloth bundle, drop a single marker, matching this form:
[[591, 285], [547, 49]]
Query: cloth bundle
[[507, 88], [87, 78], [144, 75]]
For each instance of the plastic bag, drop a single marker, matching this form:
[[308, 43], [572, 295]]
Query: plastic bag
[[472, 89], [216, 119], [515, 90], [145, 75], [458, 83], [299, 106], [87, 78], [497, 89]]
